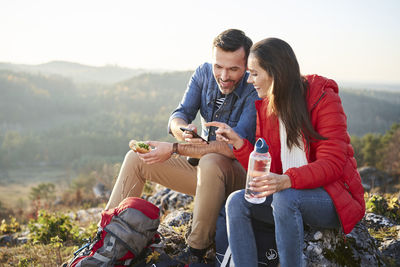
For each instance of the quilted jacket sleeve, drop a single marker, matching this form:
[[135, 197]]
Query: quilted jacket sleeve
[[326, 157]]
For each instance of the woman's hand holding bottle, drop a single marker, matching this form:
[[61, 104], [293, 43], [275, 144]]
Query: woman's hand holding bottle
[[269, 184]]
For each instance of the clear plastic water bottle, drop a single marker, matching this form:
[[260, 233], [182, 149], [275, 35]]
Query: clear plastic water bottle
[[259, 164]]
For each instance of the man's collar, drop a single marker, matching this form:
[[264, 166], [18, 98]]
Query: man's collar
[[241, 85]]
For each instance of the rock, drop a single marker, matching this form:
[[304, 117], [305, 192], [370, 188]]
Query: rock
[[374, 179], [318, 235], [376, 221], [89, 215], [176, 223], [14, 239], [22, 240], [178, 218], [174, 229], [167, 199], [100, 191], [391, 249], [7, 240], [357, 249]]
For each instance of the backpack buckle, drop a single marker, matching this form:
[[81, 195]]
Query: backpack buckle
[[89, 241]]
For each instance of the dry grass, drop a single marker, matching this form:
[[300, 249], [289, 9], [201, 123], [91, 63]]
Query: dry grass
[[35, 255], [10, 194], [15, 188]]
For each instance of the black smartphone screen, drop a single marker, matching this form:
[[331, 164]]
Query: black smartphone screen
[[194, 134]]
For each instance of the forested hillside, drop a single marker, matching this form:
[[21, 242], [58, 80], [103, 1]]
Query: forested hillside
[[370, 111], [50, 120]]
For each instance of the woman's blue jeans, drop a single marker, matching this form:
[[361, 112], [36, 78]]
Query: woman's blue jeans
[[291, 209]]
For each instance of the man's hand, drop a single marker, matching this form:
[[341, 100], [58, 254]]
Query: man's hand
[[175, 128], [226, 134], [160, 153], [269, 184], [189, 137]]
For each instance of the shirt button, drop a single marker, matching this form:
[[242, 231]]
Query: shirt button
[[216, 116]]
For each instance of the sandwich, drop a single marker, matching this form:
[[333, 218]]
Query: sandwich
[[139, 146]]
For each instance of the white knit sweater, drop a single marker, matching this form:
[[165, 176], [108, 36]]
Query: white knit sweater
[[295, 157]]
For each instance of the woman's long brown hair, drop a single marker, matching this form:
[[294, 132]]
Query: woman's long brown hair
[[288, 96]]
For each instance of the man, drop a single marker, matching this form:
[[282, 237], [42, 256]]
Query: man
[[220, 92]]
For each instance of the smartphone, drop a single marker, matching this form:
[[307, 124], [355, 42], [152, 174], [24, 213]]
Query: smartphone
[[193, 133]]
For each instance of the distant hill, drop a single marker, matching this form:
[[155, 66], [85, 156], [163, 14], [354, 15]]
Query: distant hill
[[370, 111], [370, 86], [77, 72]]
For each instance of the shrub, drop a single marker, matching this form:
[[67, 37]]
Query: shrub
[[8, 228], [48, 226]]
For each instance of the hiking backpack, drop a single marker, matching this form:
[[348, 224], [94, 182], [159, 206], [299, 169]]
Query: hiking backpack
[[124, 237], [264, 233]]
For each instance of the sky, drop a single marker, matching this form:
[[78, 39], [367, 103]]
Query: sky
[[347, 40]]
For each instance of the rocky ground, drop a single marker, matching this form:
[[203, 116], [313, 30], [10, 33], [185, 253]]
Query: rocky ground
[[321, 247]]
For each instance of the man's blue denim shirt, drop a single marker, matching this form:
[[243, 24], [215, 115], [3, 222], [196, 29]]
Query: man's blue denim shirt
[[238, 109]]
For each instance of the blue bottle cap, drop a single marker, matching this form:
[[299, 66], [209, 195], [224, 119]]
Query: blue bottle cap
[[261, 146]]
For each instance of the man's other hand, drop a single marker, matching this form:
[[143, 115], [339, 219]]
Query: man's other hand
[[161, 152]]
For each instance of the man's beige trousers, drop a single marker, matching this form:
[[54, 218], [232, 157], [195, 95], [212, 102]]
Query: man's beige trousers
[[210, 182]]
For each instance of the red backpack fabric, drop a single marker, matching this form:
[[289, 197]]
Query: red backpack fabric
[[124, 233]]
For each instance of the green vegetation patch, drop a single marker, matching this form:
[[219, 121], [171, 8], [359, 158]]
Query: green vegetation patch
[[9, 227], [55, 227], [343, 254], [386, 205]]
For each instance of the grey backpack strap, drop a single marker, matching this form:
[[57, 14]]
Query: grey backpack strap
[[227, 258]]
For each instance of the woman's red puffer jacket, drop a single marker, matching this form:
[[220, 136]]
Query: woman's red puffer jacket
[[331, 164]]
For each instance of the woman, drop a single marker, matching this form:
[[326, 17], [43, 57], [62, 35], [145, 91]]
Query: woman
[[313, 177]]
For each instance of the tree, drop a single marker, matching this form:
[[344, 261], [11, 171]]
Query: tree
[[390, 160], [371, 149], [357, 144], [43, 191]]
